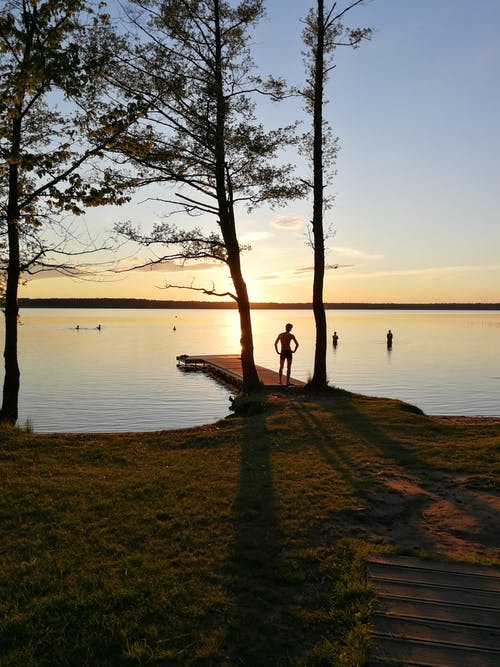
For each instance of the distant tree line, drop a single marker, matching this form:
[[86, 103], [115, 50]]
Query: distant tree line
[[168, 304]]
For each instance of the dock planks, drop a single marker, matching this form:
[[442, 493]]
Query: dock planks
[[435, 614], [228, 366]]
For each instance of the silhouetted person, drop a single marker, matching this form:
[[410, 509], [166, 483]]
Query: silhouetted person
[[285, 338], [389, 339], [335, 339], [98, 327]]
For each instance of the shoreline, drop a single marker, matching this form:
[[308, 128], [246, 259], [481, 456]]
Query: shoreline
[[456, 420], [464, 419]]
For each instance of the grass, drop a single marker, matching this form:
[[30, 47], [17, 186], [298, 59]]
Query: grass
[[219, 545]]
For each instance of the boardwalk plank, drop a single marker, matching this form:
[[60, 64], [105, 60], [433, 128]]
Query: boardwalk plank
[[437, 594], [408, 562], [457, 634], [397, 651], [431, 613], [462, 580], [428, 609]]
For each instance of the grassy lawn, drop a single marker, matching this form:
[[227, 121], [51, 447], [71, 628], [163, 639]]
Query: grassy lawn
[[222, 545]]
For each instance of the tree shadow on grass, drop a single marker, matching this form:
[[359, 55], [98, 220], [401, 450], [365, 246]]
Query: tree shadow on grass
[[404, 501], [334, 449], [260, 584], [384, 513]]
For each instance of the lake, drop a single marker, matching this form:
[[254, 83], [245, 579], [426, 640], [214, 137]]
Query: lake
[[124, 377]]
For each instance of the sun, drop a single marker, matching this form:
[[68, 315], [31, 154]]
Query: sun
[[256, 290]]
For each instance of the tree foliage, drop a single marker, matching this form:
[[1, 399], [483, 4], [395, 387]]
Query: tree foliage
[[51, 127], [193, 68]]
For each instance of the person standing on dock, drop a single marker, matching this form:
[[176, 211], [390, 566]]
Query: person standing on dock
[[286, 338]]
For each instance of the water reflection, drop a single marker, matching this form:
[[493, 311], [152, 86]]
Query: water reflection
[[124, 376]]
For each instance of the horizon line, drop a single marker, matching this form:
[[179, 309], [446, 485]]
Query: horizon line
[[135, 302]]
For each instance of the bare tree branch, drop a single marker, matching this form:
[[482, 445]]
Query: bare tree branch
[[208, 292]]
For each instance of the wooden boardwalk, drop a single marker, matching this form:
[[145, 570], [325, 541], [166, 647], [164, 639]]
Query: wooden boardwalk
[[435, 614], [228, 367]]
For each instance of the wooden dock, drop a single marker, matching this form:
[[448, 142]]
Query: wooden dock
[[433, 613], [228, 367]]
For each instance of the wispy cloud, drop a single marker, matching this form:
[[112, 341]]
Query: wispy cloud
[[129, 265], [428, 271], [53, 273], [139, 264], [289, 222], [253, 237], [293, 273], [355, 253]]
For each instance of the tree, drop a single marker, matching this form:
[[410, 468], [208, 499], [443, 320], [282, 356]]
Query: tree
[[193, 69], [322, 34], [48, 133]]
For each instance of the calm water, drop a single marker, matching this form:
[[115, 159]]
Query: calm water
[[124, 377]]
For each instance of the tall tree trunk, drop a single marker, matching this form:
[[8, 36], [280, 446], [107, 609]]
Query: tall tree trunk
[[319, 379], [227, 224], [251, 382], [9, 411]]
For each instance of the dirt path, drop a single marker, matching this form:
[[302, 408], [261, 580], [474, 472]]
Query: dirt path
[[439, 513]]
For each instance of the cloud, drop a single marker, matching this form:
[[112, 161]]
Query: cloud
[[289, 222], [121, 268], [353, 252], [252, 237], [328, 267], [293, 273], [429, 271], [139, 264], [53, 273]]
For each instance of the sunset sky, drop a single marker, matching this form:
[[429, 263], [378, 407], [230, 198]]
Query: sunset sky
[[416, 215]]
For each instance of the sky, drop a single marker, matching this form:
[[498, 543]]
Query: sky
[[416, 216]]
